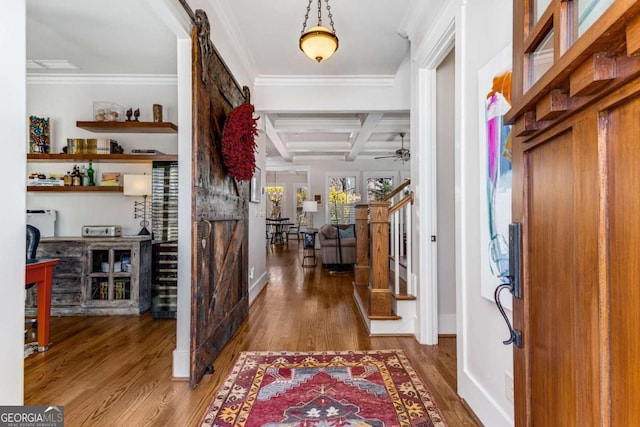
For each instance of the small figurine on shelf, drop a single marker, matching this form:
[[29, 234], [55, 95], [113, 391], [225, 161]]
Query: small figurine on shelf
[[117, 149], [129, 114], [136, 114], [157, 112]]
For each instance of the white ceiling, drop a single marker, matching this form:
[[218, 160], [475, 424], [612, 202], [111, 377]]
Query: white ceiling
[[100, 37], [127, 37], [369, 43]]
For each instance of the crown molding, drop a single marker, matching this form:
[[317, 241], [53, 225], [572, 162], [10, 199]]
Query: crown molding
[[230, 27], [173, 15], [413, 16], [437, 44], [325, 81], [103, 79]]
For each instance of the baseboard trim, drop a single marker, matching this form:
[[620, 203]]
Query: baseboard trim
[[257, 287], [470, 412], [361, 309], [447, 323], [481, 402], [181, 364], [392, 335]]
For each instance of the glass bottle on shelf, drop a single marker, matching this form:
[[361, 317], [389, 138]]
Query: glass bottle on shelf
[[90, 174], [84, 178], [67, 179], [75, 176]]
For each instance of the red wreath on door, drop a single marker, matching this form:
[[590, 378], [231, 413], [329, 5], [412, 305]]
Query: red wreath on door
[[238, 142]]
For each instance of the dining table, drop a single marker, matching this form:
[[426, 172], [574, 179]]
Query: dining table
[[40, 272], [278, 229]]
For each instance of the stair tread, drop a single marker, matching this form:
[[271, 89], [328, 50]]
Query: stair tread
[[363, 295], [391, 317], [403, 295], [402, 260]]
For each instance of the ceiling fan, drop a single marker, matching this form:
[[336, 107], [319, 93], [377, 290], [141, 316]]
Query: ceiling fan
[[400, 154]]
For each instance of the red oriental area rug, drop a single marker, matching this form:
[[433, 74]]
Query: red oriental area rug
[[322, 389]]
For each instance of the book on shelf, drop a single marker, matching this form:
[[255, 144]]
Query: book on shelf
[[145, 151], [100, 291], [106, 145], [55, 182], [110, 179]]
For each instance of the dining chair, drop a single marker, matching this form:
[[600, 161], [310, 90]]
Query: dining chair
[[293, 230], [33, 240]]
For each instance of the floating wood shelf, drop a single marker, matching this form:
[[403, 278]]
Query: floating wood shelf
[[129, 127], [75, 188], [103, 158]]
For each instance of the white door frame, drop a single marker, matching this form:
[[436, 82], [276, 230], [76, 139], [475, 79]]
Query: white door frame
[[176, 19], [429, 54]]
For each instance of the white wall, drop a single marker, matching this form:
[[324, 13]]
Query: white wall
[[481, 29], [318, 170], [483, 360], [445, 179], [352, 95], [230, 49], [12, 215], [257, 260], [66, 100]]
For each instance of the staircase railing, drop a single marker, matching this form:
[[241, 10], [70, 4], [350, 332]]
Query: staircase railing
[[362, 267], [396, 191], [390, 227], [400, 217]]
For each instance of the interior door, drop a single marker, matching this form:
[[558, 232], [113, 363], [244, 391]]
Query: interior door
[[561, 248], [576, 171], [219, 293]]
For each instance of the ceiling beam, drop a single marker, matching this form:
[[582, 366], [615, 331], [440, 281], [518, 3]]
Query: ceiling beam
[[368, 127], [275, 139], [318, 146], [325, 125], [397, 123]]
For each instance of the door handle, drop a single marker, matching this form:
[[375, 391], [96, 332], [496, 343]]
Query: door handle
[[513, 282], [515, 335]]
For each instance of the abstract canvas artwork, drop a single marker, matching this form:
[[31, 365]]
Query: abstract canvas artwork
[[39, 142], [495, 153]]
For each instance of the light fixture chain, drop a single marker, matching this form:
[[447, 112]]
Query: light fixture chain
[[330, 17], [318, 43], [319, 13], [306, 17]]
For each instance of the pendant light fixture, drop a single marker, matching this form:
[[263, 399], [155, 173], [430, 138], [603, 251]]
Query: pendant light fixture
[[318, 42]]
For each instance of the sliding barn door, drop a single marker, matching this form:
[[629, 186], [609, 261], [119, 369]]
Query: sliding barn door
[[576, 116], [219, 293]]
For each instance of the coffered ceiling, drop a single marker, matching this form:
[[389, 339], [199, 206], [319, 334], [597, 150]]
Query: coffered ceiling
[[127, 37], [345, 136]]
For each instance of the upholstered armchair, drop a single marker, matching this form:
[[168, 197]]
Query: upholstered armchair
[[337, 244]]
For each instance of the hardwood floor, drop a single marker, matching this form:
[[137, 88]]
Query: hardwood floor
[[116, 371]]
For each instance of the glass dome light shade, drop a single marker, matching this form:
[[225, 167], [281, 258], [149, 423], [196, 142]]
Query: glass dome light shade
[[318, 43]]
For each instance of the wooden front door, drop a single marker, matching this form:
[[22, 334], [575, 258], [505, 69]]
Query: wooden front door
[[576, 177], [219, 293]]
